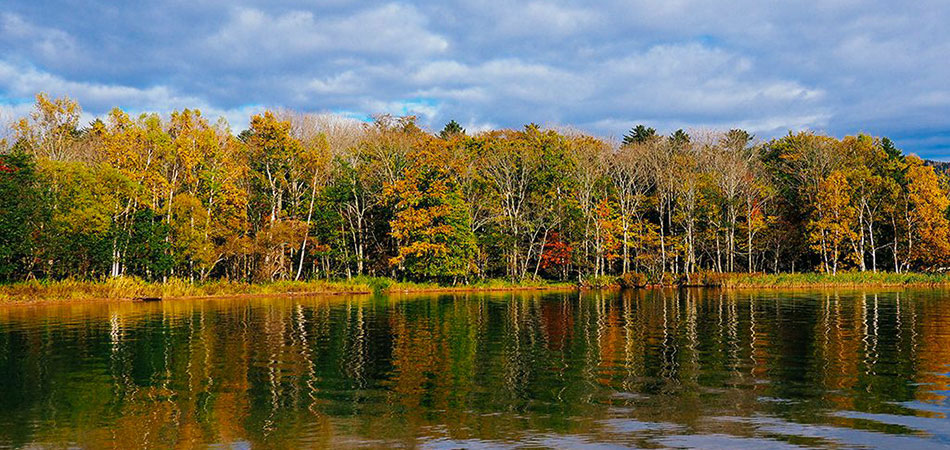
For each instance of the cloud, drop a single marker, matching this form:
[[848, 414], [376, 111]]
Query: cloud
[[253, 36], [44, 43], [98, 98], [840, 67], [666, 85]]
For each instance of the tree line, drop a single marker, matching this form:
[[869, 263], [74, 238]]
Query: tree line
[[308, 196]]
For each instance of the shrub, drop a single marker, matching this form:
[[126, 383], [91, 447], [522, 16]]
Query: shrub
[[379, 284], [599, 282], [632, 280]]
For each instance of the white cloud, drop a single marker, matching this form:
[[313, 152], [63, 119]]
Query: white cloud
[[24, 82], [842, 66], [423, 109], [44, 42], [343, 83], [544, 19], [691, 81], [252, 36]]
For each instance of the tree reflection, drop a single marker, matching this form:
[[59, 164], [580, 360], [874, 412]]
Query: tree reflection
[[399, 370]]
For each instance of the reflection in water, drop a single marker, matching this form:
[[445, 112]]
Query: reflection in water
[[636, 368]]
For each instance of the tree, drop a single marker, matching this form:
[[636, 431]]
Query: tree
[[51, 128], [21, 215], [317, 195], [834, 221], [730, 165], [928, 231], [451, 129], [633, 180], [272, 148], [430, 224], [148, 254], [589, 184], [639, 135], [797, 165], [679, 139]]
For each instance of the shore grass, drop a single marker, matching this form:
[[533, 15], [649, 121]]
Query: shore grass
[[769, 281], [128, 288], [841, 279], [481, 285]]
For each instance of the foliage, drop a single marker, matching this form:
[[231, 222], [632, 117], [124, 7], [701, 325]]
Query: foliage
[[21, 213], [302, 197], [638, 135], [430, 224]]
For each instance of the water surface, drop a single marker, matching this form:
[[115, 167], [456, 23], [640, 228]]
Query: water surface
[[691, 368]]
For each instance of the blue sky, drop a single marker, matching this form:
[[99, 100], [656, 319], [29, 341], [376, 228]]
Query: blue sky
[[839, 67]]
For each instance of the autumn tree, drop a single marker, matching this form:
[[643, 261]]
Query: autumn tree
[[630, 172], [51, 128], [430, 224], [834, 221], [272, 148], [928, 232]]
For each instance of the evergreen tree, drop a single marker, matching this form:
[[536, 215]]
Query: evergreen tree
[[20, 214], [451, 129], [679, 138], [638, 135]]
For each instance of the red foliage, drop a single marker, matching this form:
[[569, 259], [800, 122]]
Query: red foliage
[[556, 252]]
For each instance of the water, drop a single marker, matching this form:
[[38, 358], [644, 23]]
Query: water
[[634, 369]]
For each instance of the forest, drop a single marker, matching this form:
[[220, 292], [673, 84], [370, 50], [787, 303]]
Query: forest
[[317, 196]]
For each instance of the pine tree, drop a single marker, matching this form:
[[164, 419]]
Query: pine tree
[[638, 135], [451, 129]]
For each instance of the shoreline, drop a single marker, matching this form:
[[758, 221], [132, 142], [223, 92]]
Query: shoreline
[[37, 293]]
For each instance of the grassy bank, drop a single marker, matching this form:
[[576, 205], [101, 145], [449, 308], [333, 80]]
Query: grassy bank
[[768, 281], [130, 288], [842, 279]]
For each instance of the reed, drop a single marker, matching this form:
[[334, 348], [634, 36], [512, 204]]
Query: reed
[[132, 287], [841, 279]]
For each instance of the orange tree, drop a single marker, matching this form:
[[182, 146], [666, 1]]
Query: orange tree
[[430, 222]]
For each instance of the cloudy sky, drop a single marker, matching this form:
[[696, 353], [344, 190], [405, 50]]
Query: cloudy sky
[[837, 66]]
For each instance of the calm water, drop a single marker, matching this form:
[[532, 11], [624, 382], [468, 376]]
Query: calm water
[[632, 369]]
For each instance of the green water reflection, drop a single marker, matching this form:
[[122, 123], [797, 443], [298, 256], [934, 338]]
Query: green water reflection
[[645, 369]]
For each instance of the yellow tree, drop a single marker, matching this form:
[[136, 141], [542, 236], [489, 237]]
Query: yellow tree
[[927, 228], [222, 178], [633, 180], [272, 147], [431, 222], [608, 234], [50, 130], [314, 160], [833, 221]]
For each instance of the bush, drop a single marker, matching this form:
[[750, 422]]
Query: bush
[[663, 279], [599, 282], [703, 279], [632, 280], [379, 284]]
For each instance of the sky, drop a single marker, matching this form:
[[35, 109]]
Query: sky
[[834, 66]]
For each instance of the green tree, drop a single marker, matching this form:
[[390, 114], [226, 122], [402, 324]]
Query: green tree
[[21, 215], [639, 135], [451, 129], [679, 139], [431, 224], [148, 252]]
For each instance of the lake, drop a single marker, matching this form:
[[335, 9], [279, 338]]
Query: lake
[[687, 368]]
